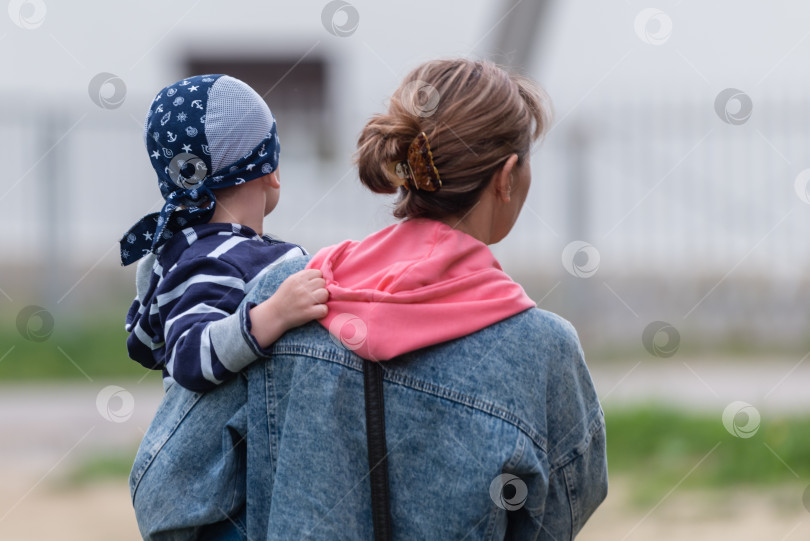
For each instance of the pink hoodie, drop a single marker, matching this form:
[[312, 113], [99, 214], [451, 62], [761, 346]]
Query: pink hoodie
[[411, 285]]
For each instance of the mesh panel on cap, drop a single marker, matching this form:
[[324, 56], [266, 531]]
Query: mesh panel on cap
[[146, 123], [236, 121]]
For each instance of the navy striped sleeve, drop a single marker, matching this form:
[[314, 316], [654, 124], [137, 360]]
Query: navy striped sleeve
[[145, 342], [207, 339], [188, 318]]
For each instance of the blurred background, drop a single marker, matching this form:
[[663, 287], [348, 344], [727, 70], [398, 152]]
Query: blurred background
[[667, 220]]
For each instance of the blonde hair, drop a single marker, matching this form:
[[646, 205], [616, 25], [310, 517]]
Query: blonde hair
[[475, 116]]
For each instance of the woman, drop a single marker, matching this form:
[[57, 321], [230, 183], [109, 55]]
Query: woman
[[493, 427]]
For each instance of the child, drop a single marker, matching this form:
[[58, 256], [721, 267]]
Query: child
[[212, 141], [206, 134]]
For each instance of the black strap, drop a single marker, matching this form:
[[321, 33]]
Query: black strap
[[377, 452]]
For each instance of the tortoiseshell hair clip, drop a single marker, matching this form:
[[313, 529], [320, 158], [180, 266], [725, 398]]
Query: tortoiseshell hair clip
[[418, 170]]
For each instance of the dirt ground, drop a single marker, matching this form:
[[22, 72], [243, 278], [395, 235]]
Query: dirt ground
[[51, 511], [774, 514], [102, 512]]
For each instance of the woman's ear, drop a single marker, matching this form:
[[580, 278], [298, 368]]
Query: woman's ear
[[502, 179]]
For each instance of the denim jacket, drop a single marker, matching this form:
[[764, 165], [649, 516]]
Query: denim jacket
[[496, 435]]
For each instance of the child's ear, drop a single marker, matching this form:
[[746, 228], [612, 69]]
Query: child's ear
[[272, 179]]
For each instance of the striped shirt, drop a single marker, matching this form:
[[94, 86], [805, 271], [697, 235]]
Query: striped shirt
[[186, 318]]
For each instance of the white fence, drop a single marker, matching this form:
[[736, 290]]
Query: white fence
[[691, 217]]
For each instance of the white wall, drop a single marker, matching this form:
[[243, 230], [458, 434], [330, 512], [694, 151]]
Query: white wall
[[591, 60]]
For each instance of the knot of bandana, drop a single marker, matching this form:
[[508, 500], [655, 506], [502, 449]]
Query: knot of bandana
[[179, 130]]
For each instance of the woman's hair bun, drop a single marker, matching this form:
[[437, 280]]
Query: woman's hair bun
[[475, 116]]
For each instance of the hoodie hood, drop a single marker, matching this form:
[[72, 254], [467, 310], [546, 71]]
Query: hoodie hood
[[411, 285]]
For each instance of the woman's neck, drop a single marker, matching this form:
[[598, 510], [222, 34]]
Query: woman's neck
[[476, 222]]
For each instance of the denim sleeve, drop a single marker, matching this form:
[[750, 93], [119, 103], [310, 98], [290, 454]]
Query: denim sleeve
[[577, 478], [575, 490], [586, 480]]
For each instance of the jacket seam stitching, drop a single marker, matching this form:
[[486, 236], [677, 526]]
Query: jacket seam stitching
[[422, 386]]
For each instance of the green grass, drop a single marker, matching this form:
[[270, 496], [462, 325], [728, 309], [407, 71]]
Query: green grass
[[110, 467], [94, 350], [656, 448], [653, 448]]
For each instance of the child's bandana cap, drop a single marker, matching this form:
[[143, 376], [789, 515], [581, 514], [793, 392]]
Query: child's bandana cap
[[202, 133]]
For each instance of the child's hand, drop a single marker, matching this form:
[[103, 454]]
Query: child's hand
[[299, 299]]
